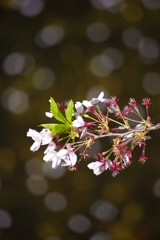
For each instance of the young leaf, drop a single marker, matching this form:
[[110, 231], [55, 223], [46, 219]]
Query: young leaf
[[60, 128], [56, 112], [69, 111], [48, 125], [57, 128]]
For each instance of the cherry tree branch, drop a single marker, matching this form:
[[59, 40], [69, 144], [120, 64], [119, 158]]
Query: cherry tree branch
[[142, 129]]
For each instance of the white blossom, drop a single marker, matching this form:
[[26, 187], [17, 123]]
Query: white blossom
[[111, 107], [79, 107], [52, 155], [79, 122], [98, 167], [94, 101], [40, 138], [71, 157]]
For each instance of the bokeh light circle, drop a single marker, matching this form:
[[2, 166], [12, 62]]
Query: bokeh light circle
[[43, 78], [101, 66], [30, 8], [37, 185], [156, 188], [15, 100], [49, 36], [116, 57], [101, 236], [53, 173], [111, 5], [53, 238], [55, 201], [151, 83], [104, 210], [149, 49], [5, 219], [97, 32], [79, 223], [14, 63], [34, 166], [131, 37], [151, 4]]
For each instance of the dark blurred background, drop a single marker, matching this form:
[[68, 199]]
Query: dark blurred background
[[76, 49]]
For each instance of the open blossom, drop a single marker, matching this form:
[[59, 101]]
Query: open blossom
[[99, 166], [55, 156], [79, 122], [49, 152], [71, 154], [80, 125], [79, 108], [40, 138], [111, 105], [94, 101]]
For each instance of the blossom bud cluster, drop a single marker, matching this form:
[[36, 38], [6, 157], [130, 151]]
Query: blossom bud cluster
[[77, 127]]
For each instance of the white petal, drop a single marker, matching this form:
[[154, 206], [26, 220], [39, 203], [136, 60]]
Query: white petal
[[94, 165], [48, 157], [106, 100], [87, 103], [56, 162], [127, 136], [125, 159], [73, 158], [62, 152], [84, 131], [35, 146], [97, 171], [46, 140], [36, 136], [69, 146], [64, 164], [49, 114], [79, 107], [101, 95], [94, 101], [78, 122]]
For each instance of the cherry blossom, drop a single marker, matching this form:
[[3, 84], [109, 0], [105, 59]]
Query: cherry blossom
[[79, 107], [79, 122], [94, 101], [40, 138], [79, 125], [99, 166], [55, 156]]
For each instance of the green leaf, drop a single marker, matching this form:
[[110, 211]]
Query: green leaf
[[69, 111], [57, 128], [56, 112], [48, 125], [60, 128]]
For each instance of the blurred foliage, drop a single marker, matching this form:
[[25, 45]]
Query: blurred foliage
[[73, 64]]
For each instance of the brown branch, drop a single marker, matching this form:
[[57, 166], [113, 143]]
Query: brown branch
[[110, 134]]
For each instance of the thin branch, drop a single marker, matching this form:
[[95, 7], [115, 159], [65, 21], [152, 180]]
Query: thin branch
[[110, 134], [155, 127]]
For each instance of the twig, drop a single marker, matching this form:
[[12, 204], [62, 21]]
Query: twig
[[155, 127]]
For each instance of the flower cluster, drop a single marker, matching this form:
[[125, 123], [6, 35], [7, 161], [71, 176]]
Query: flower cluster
[[79, 125]]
